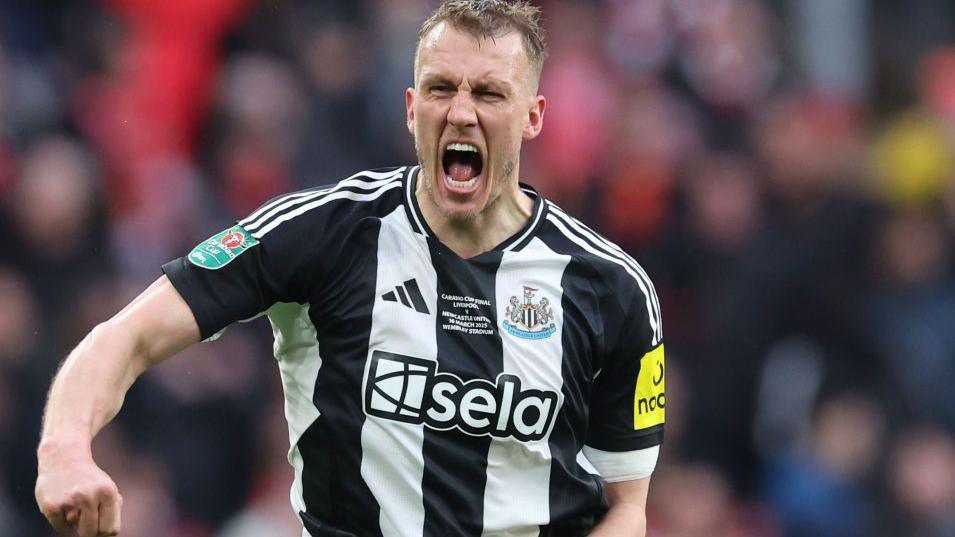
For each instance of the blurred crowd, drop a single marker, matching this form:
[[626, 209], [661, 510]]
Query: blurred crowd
[[782, 168]]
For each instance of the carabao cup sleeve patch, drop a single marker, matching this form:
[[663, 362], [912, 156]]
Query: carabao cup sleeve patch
[[650, 398], [220, 249]]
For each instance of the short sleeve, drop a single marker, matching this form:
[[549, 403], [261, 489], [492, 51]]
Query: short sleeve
[[628, 400], [276, 254], [232, 276]]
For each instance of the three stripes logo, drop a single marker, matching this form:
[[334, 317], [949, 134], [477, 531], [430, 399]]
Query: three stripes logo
[[409, 295]]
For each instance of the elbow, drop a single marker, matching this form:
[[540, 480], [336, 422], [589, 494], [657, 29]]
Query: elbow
[[113, 340]]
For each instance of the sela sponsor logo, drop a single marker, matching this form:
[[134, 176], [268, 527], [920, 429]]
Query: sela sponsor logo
[[529, 319], [411, 390]]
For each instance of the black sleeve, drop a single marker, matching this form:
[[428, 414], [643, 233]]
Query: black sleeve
[[627, 407], [245, 269]]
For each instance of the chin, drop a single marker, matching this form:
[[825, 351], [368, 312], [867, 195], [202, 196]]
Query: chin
[[455, 213]]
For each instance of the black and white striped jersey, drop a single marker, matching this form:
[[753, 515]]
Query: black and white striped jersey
[[430, 395]]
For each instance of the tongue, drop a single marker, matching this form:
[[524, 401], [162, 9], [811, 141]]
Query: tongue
[[461, 172]]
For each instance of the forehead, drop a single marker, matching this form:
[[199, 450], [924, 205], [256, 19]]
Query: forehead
[[448, 51]]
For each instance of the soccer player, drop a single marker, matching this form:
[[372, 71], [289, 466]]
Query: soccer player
[[460, 357]]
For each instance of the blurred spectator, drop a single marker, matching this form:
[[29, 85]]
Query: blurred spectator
[[268, 511], [728, 55], [818, 489], [337, 134], [148, 509], [196, 413], [922, 480], [911, 312], [698, 501], [263, 105], [792, 194], [18, 317], [656, 133], [55, 225], [936, 82], [913, 159], [582, 104]]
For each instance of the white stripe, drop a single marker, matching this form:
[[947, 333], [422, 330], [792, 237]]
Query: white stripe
[[646, 285], [296, 350], [392, 463], [586, 246], [415, 172], [345, 194], [517, 492], [620, 254], [577, 224], [615, 251], [530, 229], [585, 463], [357, 183], [282, 200]]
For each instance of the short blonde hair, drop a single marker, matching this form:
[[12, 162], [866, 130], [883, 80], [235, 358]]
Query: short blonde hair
[[489, 19]]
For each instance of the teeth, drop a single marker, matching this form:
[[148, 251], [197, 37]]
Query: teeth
[[460, 184], [461, 147]]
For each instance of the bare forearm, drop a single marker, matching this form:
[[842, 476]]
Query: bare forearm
[[89, 389], [73, 493], [623, 520]]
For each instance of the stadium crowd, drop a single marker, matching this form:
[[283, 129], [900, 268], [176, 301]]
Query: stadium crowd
[[782, 168]]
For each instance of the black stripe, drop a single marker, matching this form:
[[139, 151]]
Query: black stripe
[[288, 206], [279, 200], [415, 293], [336, 495], [647, 290], [576, 497], [455, 471], [402, 296], [389, 297], [410, 179], [627, 259]]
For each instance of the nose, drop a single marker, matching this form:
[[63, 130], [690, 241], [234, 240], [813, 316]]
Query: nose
[[461, 113]]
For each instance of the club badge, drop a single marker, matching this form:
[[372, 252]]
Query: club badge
[[528, 319]]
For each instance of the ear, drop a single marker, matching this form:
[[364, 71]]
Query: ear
[[409, 109], [535, 118]]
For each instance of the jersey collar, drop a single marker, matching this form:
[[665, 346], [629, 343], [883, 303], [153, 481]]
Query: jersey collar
[[513, 243]]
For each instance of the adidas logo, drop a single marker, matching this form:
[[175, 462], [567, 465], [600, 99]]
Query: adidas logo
[[409, 295]]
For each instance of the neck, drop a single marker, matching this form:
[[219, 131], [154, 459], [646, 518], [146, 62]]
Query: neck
[[470, 237]]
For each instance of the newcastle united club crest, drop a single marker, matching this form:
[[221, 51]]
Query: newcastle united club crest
[[528, 319]]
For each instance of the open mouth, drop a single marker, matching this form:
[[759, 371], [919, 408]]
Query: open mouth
[[462, 165]]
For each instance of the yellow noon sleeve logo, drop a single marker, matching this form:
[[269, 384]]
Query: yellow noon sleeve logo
[[649, 401]]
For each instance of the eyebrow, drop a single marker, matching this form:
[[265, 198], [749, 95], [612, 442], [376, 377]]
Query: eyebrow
[[492, 84], [482, 85]]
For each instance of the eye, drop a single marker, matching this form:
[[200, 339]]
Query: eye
[[440, 89], [489, 95]]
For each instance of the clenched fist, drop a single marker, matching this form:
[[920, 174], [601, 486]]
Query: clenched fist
[[73, 493]]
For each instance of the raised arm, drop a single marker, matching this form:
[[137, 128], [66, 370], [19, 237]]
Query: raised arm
[[71, 490]]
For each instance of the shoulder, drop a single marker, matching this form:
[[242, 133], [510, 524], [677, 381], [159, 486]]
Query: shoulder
[[613, 270], [608, 260], [367, 193]]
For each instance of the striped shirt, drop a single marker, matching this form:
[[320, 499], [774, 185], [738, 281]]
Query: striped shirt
[[430, 395]]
